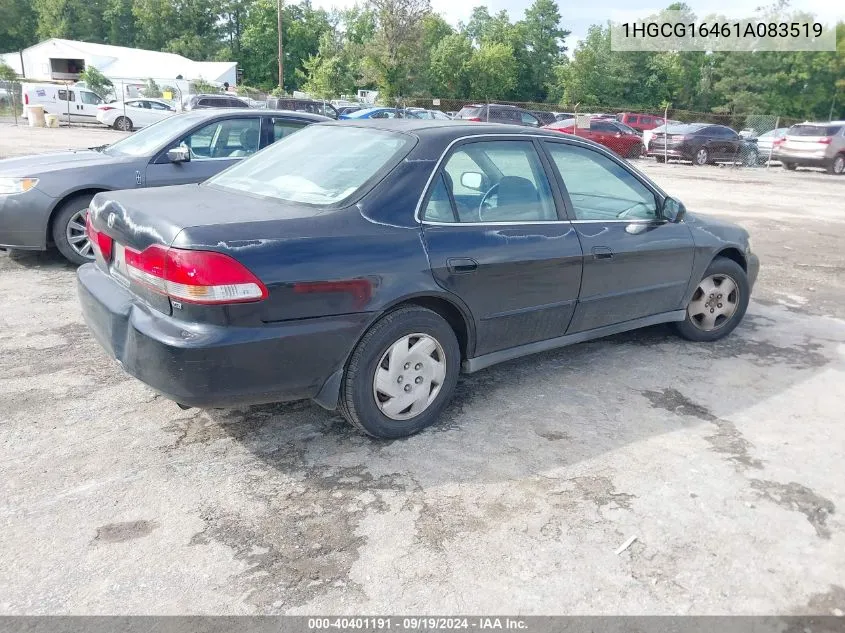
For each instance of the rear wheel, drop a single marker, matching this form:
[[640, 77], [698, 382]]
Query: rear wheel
[[69, 233], [718, 303], [123, 123], [402, 374], [789, 166], [660, 159], [702, 157], [636, 151], [837, 165]]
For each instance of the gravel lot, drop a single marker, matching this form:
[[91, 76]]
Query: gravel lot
[[724, 460]]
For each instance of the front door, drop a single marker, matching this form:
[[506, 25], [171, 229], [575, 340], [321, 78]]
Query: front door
[[635, 263], [495, 239], [213, 147], [86, 107]]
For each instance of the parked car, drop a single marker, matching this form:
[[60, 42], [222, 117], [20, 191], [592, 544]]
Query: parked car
[[703, 144], [134, 114], [44, 198], [347, 110], [422, 113], [303, 105], [615, 136], [814, 145], [640, 121], [205, 101], [381, 113], [766, 142], [648, 134], [369, 263], [544, 116], [69, 103], [496, 113]]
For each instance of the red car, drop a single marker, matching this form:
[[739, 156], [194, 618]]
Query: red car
[[614, 135], [640, 122]]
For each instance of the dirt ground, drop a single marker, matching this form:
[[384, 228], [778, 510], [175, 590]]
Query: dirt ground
[[725, 461]]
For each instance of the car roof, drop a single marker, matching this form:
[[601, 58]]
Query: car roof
[[202, 115], [441, 129]]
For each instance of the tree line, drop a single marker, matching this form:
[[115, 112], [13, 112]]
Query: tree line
[[403, 48]]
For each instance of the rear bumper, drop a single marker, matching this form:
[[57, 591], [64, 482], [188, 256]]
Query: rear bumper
[[24, 218], [677, 154], [798, 158], [205, 365]]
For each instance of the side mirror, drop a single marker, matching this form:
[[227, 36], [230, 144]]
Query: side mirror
[[472, 180], [673, 210], [180, 154]]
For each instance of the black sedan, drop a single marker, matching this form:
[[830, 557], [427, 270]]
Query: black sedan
[[365, 265], [702, 144]]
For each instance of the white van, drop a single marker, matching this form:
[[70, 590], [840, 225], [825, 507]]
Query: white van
[[70, 103]]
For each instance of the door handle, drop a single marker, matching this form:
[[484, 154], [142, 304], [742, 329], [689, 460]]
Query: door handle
[[602, 252], [458, 265]]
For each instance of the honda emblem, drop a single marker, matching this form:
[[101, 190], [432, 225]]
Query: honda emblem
[[137, 177], [110, 221]]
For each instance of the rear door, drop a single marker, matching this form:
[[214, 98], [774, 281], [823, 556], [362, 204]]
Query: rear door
[[494, 238], [213, 146], [635, 263]]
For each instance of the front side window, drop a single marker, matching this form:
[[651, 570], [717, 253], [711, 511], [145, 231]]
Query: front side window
[[599, 187], [318, 165], [155, 105], [229, 138], [89, 98], [494, 181]]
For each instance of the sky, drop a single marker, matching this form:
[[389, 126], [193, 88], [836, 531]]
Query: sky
[[578, 15]]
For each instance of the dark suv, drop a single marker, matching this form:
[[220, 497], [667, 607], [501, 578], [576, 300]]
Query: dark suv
[[201, 102], [495, 113], [302, 105]]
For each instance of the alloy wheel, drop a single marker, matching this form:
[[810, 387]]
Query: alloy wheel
[[409, 376], [714, 302], [77, 237], [839, 165], [701, 157]]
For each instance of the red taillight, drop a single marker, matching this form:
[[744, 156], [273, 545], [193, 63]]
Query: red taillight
[[106, 107], [825, 140], [474, 118], [194, 276], [26, 98], [98, 239]]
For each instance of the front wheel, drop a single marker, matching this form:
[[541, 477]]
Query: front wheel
[[718, 303], [702, 157], [660, 159], [123, 123], [402, 374], [636, 151], [69, 233], [789, 166]]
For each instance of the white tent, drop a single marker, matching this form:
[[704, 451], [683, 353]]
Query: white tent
[[62, 60]]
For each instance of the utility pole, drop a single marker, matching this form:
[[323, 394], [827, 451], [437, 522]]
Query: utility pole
[[281, 51]]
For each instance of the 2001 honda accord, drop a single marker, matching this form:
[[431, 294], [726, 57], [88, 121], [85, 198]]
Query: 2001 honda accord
[[364, 265]]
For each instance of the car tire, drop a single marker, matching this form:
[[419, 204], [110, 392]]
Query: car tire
[[369, 408], [700, 324], [701, 157], [837, 165], [660, 159], [636, 151], [66, 232], [752, 159], [123, 123], [789, 166]]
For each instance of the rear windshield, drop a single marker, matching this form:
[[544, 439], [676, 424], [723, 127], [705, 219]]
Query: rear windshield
[[814, 130], [468, 113], [319, 165]]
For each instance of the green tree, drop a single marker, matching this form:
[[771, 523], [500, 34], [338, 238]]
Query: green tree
[[96, 81], [7, 73], [392, 55], [120, 23], [18, 23], [492, 71], [71, 19], [449, 66], [544, 40], [151, 89]]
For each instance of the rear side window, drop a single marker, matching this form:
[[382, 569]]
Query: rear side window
[[285, 127], [468, 113], [603, 126], [814, 130]]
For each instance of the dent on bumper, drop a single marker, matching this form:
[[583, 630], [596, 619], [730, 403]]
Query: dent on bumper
[[24, 218], [207, 365]]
